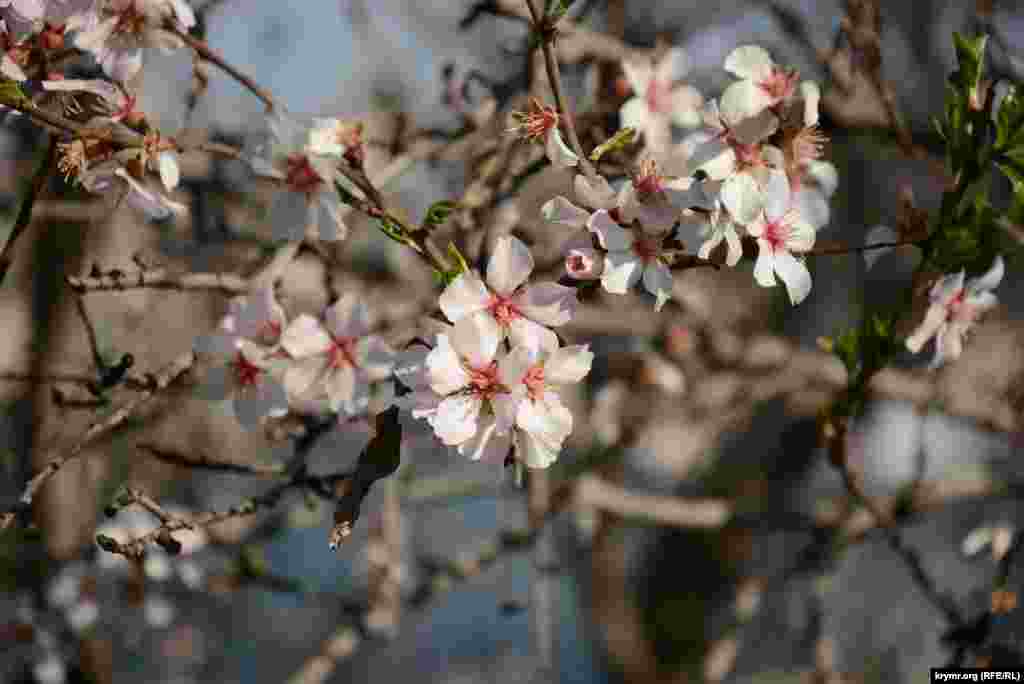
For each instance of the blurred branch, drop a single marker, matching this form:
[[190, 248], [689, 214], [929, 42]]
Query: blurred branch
[[205, 462], [28, 201], [160, 279]]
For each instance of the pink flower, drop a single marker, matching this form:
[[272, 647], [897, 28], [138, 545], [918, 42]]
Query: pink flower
[[658, 102], [514, 309], [632, 255], [764, 85], [780, 231], [955, 308]]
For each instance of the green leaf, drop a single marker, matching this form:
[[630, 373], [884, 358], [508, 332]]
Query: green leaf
[[970, 54], [445, 278], [1010, 121], [394, 231], [439, 212], [345, 194], [11, 93], [556, 9], [622, 138]]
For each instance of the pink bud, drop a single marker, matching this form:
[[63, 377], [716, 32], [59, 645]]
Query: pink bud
[[584, 263]]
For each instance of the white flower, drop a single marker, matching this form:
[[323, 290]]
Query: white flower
[[333, 137], [112, 174], [656, 103], [473, 408], [542, 421], [780, 231], [514, 309], [955, 308], [335, 360], [763, 85], [736, 156], [308, 197], [632, 255], [117, 31], [715, 227], [540, 124]]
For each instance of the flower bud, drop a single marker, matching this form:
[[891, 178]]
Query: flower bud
[[584, 263]]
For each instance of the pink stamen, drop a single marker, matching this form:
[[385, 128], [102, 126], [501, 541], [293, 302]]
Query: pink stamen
[[300, 175], [657, 97], [776, 233], [484, 382], [246, 373], [534, 381], [779, 85], [503, 310], [343, 352]]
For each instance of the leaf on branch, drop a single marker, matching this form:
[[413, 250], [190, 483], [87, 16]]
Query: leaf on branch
[[1010, 123], [622, 138], [970, 54], [438, 213], [379, 459], [556, 9]]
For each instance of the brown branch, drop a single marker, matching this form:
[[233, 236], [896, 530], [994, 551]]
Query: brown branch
[[860, 248], [203, 461], [24, 219], [159, 278], [214, 57]]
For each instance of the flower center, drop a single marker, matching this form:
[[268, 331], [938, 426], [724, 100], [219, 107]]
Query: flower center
[[657, 97], [648, 182], [747, 155], [647, 248], [246, 372], [300, 175], [536, 123], [779, 85], [959, 309], [503, 310], [130, 20], [534, 381], [484, 382], [576, 263], [343, 352], [776, 233]]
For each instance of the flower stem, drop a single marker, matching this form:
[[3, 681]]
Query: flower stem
[[210, 55]]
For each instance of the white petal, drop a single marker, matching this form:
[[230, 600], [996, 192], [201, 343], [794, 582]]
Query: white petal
[[487, 445], [456, 418], [793, 272], [777, 195], [715, 157], [934, 320], [825, 175], [638, 73], [743, 100], [547, 303], [445, 371], [812, 205], [610, 234], [562, 211], [510, 265], [348, 317], [463, 296], [306, 376], [750, 62], [513, 366], [597, 194], [990, 279], [305, 336], [169, 172], [522, 332], [764, 267], [742, 197], [735, 252], [634, 114], [686, 107], [476, 338], [947, 287], [622, 270], [568, 365], [560, 154], [340, 386], [658, 281], [811, 94]]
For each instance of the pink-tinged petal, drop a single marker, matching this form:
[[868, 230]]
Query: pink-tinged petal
[[639, 74], [811, 95], [522, 332], [562, 211], [306, 376], [170, 175], [934, 320], [824, 175], [777, 195], [476, 338], [348, 317], [946, 288], [735, 252], [658, 281], [510, 265], [547, 303], [560, 154], [622, 270], [801, 233], [673, 66], [340, 386], [548, 422], [568, 365], [634, 114], [949, 344], [92, 38], [794, 274], [742, 198], [714, 157], [464, 296], [990, 279], [750, 62], [120, 64], [764, 267], [610, 234], [305, 336], [505, 407], [597, 194], [513, 366], [534, 452], [743, 100], [10, 69], [686, 107], [183, 13], [456, 418], [487, 446], [445, 371], [584, 263]]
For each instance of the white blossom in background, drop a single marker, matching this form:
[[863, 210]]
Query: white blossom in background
[[250, 361], [540, 125], [117, 31], [50, 670], [523, 312], [334, 361], [22, 16], [762, 86], [536, 376], [307, 198], [658, 102], [781, 231], [737, 156], [955, 306]]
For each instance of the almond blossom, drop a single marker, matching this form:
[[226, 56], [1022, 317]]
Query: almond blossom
[[781, 231], [512, 308], [540, 124], [112, 176], [632, 255], [536, 377], [762, 86], [117, 31], [250, 363], [14, 56], [657, 102], [715, 227], [334, 360], [954, 308], [120, 105], [308, 197]]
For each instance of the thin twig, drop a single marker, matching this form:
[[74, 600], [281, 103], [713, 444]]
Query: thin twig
[[860, 248], [160, 279], [210, 55], [203, 461]]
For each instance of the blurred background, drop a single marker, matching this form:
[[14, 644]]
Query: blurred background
[[595, 596]]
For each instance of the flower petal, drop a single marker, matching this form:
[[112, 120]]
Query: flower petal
[[456, 418], [658, 281], [170, 174], [639, 74], [464, 296], [743, 100], [934, 320], [560, 154], [348, 317], [811, 94], [764, 267], [622, 270], [742, 197], [522, 332], [673, 65], [568, 365], [686, 107], [562, 211], [750, 62], [476, 338], [305, 336], [990, 279], [444, 368], [610, 234], [510, 265], [794, 274], [634, 114], [513, 366], [547, 303], [487, 445]]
